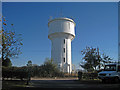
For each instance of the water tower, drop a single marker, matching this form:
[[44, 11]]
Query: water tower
[[61, 33]]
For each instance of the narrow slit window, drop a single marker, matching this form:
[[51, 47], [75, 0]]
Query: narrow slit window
[[64, 41], [64, 50], [64, 59]]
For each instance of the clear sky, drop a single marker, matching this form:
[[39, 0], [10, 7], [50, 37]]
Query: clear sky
[[96, 26]]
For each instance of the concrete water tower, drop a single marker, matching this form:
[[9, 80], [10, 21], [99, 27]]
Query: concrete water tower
[[61, 33]]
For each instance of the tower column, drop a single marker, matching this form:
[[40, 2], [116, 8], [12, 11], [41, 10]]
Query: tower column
[[68, 55], [61, 33]]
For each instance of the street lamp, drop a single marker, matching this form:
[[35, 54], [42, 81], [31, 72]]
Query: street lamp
[[29, 64]]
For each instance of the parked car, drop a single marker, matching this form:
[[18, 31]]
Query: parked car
[[111, 72]]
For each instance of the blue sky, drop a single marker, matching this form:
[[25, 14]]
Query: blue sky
[[96, 26]]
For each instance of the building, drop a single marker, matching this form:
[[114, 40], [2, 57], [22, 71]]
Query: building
[[61, 33]]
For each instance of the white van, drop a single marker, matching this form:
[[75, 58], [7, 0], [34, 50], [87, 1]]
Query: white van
[[110, 72]]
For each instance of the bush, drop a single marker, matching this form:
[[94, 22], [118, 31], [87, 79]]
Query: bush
[[89, 75], [14, 72], [48, 69]]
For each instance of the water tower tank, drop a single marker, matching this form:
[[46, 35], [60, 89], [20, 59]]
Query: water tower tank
[[61, 33]]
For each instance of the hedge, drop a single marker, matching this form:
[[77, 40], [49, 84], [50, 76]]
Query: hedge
[[35, 71]]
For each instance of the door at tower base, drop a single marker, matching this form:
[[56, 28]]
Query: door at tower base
[[65, 68], [61, 33]]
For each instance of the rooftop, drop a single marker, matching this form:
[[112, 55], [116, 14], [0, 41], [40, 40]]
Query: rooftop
[[61, 18]]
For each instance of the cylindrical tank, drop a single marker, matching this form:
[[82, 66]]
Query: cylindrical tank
[[61, 33]]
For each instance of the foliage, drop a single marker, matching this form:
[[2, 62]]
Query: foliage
[[7, 63], [89, 75], [91, 57], [14, 72], [106, 59], [11, 42], [29, 63], [48, 69]]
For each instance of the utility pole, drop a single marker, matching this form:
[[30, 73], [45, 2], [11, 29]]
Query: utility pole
[[29, 64], [119, 32]]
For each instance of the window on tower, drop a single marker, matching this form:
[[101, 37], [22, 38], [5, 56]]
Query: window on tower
[[64, 41], [64, 50], [64, 59]]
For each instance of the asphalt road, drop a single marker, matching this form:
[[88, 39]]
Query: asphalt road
[[69, 84], [92, 84]]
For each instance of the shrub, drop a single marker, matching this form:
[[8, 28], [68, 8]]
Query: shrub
[[89, 75], [14, 72], [46, 70]]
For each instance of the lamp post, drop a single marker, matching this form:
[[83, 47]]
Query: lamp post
[[29, 64], [119, 32]]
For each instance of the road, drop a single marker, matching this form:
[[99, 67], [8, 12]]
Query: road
[[92, 84], [69, 84]]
